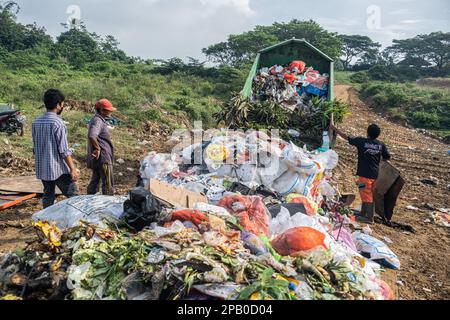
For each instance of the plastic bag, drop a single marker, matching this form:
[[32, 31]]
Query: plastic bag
[[328, 160], [284, 221], [297, 66], [376, 250], [251, 211], [344, 236], [157, 166], [92, 209], [209, 208], [288, 182], [269, 174], [253, 243], [297, 241], [299, 161], [310, 206], [141, 209]]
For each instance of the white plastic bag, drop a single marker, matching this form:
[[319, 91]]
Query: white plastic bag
[[376, 250], [287, 183], [92, 209], [209, 208], [328, 160], [269, 174], [157, 166]]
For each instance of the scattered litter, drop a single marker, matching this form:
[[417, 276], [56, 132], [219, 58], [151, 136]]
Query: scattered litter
[[429, 182], [441, 219], [120, 161], [412, 208], [386, 239]]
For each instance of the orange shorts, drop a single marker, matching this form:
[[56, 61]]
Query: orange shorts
[[366, 188]]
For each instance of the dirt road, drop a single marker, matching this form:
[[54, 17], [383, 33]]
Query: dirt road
[[425, 270]]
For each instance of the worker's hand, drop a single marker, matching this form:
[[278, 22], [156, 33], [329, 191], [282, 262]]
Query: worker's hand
[[96, 154], [75, 174]]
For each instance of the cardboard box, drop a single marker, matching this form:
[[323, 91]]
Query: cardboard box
[[175, 196]]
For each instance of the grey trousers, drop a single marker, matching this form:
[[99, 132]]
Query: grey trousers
[[105, 174]]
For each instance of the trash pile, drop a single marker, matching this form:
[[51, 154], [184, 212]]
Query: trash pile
[[287, 97], [263, 232], [292, 86]]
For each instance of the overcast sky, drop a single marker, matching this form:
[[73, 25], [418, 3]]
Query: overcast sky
[[181, 28]]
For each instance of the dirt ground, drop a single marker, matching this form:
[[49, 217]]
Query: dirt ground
[[425, 262], [425, 270]]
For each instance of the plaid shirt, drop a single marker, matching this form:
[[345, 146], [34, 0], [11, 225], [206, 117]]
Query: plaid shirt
[[50, 147]]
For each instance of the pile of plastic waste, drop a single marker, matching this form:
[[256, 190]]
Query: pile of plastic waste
[[286, 97], [292, 86], [265, 232]]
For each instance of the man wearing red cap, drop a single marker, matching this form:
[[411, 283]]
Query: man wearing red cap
[[101, 150]]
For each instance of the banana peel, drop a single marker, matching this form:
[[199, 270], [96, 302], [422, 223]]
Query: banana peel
[[49, 233]]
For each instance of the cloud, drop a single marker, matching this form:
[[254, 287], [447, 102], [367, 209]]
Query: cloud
[[401, 12], [242, 6], [411, 21]]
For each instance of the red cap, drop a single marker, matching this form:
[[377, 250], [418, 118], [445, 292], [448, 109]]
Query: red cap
[[104, 104]]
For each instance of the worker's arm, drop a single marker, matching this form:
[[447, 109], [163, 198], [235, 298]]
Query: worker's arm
[[385, 153], [339, 132], [94, 131], [73, 170], [96, 152], [64, 151]]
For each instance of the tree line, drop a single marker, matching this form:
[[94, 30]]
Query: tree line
[[422, 55]]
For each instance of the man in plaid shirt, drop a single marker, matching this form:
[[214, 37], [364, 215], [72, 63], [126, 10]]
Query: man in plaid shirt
[[54, 163]]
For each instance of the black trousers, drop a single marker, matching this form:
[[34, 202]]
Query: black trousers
[[64, 183]]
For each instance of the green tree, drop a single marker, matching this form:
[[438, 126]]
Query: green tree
[[239, 49], [78, 47], [16, 36], [423, 50], [358, 49], [110, 47]]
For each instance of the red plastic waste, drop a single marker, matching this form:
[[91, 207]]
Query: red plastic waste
[[299, 65], [194, 216], [251, 211], [298, 240], [290, 78]]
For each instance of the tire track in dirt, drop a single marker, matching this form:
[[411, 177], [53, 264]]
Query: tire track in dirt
[[424, 257]]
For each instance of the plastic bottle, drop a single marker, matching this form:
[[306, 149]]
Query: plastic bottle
[[326, 142]]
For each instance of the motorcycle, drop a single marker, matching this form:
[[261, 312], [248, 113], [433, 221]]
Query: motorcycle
[[12, 121]]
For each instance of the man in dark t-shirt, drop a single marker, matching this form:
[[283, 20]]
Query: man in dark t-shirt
[[370, 153]]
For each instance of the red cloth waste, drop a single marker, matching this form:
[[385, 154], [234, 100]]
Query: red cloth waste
[[251, 211], [298, 240]]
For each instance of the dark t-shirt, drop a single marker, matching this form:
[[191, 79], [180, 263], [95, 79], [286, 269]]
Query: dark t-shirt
[[369, 156]]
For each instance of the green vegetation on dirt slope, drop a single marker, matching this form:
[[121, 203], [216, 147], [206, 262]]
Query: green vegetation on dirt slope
[[418, 104]]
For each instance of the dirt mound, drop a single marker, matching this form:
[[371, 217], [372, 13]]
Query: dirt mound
[[79, 105]]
